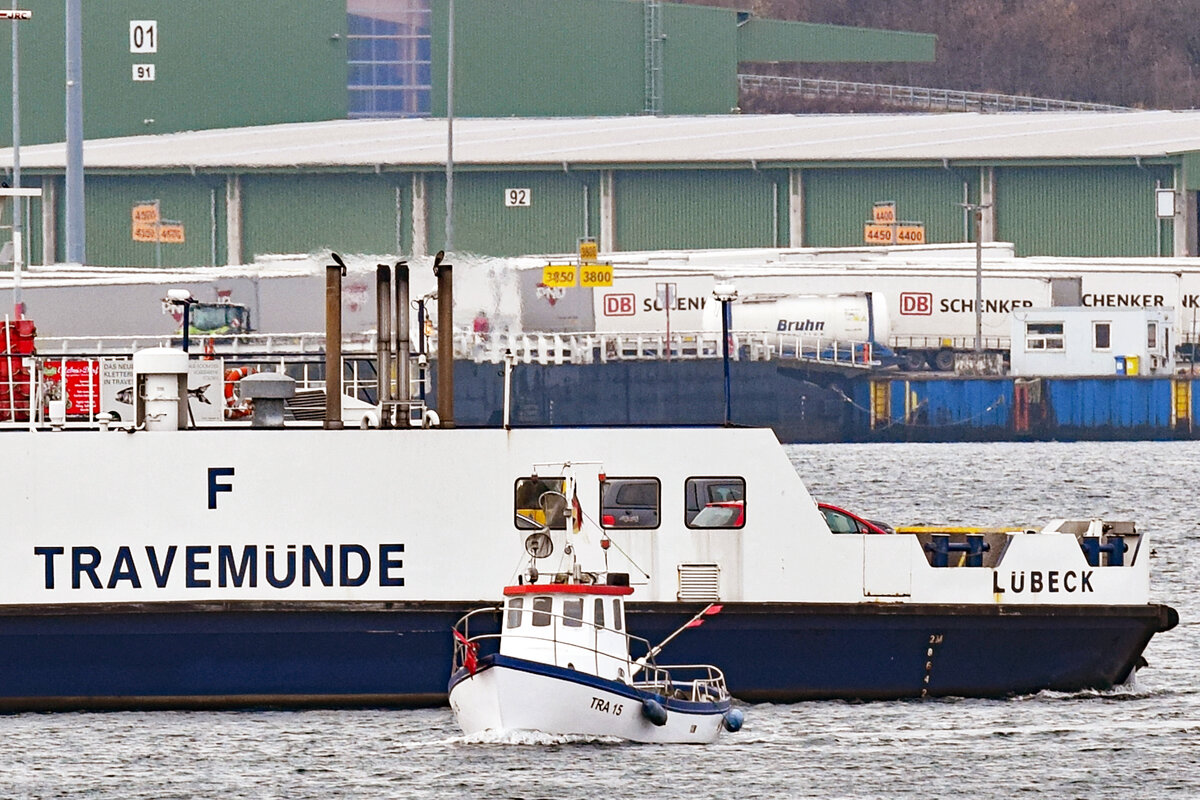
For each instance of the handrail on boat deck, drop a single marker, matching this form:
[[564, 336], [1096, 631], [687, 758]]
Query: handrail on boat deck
[[660, 680]]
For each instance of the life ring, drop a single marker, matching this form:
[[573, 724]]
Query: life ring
[[235, 406]]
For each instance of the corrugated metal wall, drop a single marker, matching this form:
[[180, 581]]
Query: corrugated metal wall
[[695, 209], [190, 200], [302, 213], [1079, 211], [1111, 403], [938, 406], [553, 221], [594, 65], [838, 201], [221, 63], [701, 77]]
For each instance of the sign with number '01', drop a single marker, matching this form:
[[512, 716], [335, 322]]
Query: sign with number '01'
[[143, 36]]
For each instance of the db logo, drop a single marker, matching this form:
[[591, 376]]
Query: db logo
[[619, 305], [917, 303]]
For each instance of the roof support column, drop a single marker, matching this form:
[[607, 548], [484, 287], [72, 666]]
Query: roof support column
[[795, 207], [420, 216], [987, 201], [608, 212], [1184, 224], [233, 220], [49, 220]]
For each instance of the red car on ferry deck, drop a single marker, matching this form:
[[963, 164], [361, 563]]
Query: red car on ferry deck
[[840, 520], [732, 514]]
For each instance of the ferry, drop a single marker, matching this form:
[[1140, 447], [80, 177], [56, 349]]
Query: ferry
[[161, 561]]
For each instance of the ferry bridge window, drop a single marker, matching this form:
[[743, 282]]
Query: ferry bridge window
[[540, 502], [1044, 336], [630, 502], [715, 502], [573, 613], [1102, 335], [616, 614], [515, 604], [542, 606], [599, 612]]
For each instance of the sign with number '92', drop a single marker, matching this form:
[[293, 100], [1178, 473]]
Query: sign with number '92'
[[143, 36], [517, 197]]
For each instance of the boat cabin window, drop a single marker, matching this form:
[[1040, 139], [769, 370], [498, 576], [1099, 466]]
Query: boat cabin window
[[515, 604], [599, 612], [1044, 336], [573, 613], [715, 502], [630, 502], [540, 502], [542, 606], [1151, 335], [616, 614]]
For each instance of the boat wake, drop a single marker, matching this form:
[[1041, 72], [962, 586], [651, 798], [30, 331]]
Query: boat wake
[[1131, 689], [535, 738]]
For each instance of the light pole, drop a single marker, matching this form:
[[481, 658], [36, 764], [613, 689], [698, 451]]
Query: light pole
[[449, 246], [16, 15], [75, 229], [976, 210], [725, 293]]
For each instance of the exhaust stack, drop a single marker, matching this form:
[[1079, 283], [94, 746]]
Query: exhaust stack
[[445, 375], [383, 344], [333, 343], [403, 345]]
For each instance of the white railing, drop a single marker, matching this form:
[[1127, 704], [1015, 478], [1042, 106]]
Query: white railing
[[602, 348], [953, 342], [913, 96]]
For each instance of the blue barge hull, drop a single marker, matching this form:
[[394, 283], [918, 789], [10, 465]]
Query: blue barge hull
[[330, 655], [808, 404]]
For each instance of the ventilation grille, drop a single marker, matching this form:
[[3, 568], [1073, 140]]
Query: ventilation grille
[[699, 582]]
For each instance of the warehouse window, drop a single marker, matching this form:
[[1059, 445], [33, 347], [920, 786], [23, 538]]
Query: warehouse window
[[1102, 335], [388, 54], [1044, 336]]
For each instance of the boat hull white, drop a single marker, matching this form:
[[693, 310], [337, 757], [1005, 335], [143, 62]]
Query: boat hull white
[[510, 694]]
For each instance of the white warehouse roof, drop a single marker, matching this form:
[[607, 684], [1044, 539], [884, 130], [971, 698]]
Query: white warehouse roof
[[725, 139]]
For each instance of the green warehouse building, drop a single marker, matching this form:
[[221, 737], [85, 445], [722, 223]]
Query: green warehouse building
[[295, 126]]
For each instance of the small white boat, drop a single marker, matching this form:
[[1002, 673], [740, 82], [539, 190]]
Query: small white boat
[[561, 665]]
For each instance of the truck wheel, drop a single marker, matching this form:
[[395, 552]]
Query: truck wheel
[[914, 360], [944, 360]]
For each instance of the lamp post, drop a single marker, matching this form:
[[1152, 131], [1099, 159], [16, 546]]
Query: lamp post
[[16, 15], [449, 245], [74, 204], [726, 293]]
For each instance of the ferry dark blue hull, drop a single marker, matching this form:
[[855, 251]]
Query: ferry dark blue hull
[[227, 655]]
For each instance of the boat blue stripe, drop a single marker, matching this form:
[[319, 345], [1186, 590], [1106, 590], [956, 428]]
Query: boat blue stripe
[[604, 684]]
